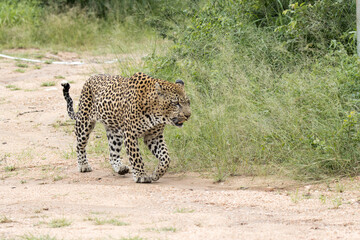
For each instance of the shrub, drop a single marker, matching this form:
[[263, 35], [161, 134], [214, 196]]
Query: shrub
[[316, 25], [19, 12]]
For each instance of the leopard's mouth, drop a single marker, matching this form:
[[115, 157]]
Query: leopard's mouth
[[177, 122]]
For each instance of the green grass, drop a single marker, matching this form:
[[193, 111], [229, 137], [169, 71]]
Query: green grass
[[33, 237], [9, 168], [168, 229], [4, 219], [101, 221], [71, 154], [59, 223], [163, 229], [116, 222], [339, 187], [58, 178], [60, 124], [337, 202], [132, 238], [22, 65], [39, 56], [184, 210], [48, 84], [98, 143], [20, 70], [59, 77], [295, 196], [13, 87]]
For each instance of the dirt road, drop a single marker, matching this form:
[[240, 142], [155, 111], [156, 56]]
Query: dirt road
[[42, 196]]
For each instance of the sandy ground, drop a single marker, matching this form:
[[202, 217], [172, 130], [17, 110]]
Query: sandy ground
[[42, 196]]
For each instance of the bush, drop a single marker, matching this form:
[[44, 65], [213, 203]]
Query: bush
[[316, 25], [19, 12]]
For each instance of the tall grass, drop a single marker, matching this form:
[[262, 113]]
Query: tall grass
[[29, 24], [259, 108], [252, 121]]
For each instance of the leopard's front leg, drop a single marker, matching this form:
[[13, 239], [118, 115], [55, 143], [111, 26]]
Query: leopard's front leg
[[115, 141], [157, 146], [132, 150]]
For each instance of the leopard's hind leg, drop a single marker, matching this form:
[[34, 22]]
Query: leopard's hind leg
[[83, 128]]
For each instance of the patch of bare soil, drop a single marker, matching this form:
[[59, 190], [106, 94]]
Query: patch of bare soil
[[42, 194]]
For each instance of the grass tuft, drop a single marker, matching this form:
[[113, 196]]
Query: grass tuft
[[113, 221], [22, 65], [47, 84], [10, 168], [132, 238], [4, 219], [13, 87], [59, 223], [58, 178], [184, 210], [168, 229], [337, 202], [32, 237], [19, 70]]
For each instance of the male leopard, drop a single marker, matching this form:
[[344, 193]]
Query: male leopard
[[129, 108]]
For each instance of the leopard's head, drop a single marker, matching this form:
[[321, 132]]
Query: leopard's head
[[174, 105]]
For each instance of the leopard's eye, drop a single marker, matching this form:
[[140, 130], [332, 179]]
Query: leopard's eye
[[174, 102]]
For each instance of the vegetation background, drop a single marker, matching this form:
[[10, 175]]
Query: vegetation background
[[274, 84]]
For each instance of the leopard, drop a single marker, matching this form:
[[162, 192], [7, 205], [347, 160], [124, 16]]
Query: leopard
[[133, 108]]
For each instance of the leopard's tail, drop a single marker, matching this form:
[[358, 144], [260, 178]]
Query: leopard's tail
[[69, 101]]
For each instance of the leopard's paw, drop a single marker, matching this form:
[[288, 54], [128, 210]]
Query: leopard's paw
[[122, 169], [155, 176], [142, 179], [84, 168]]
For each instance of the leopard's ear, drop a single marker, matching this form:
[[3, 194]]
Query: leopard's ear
[[158, 88], [180, 82]]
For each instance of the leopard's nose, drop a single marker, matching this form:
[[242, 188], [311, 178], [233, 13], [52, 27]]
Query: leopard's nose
[[187, 115]]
